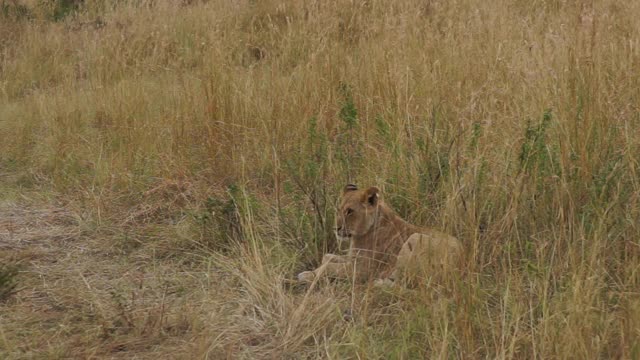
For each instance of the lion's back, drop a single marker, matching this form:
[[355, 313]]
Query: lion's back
[[429, 251]]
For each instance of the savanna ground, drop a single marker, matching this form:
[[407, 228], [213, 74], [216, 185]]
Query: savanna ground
[[167, 167]]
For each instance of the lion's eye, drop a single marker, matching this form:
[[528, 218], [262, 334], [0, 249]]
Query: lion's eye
[[348, 212]]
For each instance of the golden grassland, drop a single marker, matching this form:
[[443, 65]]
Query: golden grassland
[[167, 167]]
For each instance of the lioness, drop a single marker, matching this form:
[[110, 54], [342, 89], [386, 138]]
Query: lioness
[[382, 245]]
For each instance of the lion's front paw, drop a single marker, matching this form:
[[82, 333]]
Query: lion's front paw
[[306, 276], [384, 283]]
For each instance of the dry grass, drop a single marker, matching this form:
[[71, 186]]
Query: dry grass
[[167, 167]]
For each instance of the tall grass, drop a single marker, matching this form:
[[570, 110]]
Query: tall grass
[[229, 128]]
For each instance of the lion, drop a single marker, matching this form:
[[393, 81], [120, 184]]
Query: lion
[[382, 246]]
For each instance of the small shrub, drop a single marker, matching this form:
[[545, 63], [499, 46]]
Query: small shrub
[[8, 281], [221, 219], [14, 10], [535, 153], [308, 173], [348, 148]]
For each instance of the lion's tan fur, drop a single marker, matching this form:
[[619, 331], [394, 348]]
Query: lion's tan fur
[[382, 245]]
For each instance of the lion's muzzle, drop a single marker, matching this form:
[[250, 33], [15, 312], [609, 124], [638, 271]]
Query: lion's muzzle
[[342, 235]]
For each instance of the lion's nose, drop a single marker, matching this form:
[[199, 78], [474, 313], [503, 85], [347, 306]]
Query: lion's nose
[[340, 230]]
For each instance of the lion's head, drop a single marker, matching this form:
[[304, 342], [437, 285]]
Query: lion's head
[[357, 212]]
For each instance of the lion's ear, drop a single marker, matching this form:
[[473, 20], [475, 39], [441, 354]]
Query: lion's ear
[[370, 196], [349, 187]]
